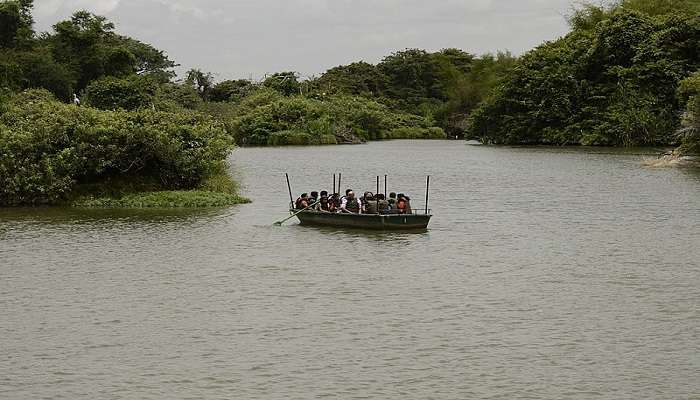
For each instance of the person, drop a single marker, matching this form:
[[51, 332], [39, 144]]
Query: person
[[370, 204], [323, 204], [302, 202], [313, 199], [383, 205], [365, 200], [403, 204], [76, 100], [351, 204], [392, 200], [334, 200]]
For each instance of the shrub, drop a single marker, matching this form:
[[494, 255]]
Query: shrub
[[289, 138], [113, 93], [417, 133], [47, 148]]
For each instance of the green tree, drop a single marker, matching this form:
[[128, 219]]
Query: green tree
[[16, 23], [286, 83], [202, 82], [359, 78], [232, 90], [131, 93]]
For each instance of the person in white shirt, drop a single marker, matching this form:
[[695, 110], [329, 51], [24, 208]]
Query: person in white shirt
[[350, 203]]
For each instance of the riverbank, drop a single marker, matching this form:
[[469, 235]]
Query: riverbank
[[673, 160], [218, 191]]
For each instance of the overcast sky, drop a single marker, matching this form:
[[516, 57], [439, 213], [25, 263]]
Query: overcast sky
[[243, 38]]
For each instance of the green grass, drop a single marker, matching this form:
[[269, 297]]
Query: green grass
[[217, 191], [164, 199]]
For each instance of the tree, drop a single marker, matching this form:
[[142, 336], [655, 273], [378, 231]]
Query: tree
[[359, 78], [16, 23], [202, 82], [110, 93], [232, 90], [286, 83]]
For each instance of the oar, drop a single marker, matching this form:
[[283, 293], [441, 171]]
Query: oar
[[279, 223]]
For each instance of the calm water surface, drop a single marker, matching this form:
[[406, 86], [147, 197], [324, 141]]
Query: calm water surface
[[546, 274]]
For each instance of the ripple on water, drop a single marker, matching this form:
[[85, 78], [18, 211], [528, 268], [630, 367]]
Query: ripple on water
[[547, 273]]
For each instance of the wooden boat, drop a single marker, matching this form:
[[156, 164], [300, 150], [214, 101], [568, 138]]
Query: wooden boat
[[365, 221], [412, 221]]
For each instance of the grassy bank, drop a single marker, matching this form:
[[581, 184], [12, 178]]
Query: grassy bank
[[217, 191]]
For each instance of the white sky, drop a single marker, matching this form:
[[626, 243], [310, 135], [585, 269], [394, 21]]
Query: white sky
[[244, 38]]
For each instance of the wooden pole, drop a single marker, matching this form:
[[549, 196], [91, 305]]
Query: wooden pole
[[385, 195], [289, 186], [427, 191], [376, 195], [340, 189], [333, 185]]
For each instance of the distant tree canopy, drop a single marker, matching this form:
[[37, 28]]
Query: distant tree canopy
[[77, 52], [612, 81]]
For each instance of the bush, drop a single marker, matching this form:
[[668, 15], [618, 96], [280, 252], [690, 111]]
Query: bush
[[345, 117], [417, 133], [114, 93], [48, 148], [289, 138]]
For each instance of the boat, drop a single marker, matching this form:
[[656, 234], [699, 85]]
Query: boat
[[414, 221]]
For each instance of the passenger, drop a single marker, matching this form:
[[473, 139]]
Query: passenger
[[370, 204], [313, 199], [323, 204], [302, 202], [403, 204], [351, 204], [392, 200], [365, 200], [383, 204], [335, 202]]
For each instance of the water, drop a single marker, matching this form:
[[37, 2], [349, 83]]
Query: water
[[546, 274]]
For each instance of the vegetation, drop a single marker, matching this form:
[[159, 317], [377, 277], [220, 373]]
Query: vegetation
[[50, 148], [626, 75], [612, 81]]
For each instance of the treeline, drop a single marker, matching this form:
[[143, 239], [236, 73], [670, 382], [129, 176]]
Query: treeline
[[53, 152], [621, 77]]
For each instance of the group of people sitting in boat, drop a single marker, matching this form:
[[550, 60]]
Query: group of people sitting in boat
[[370, 203]]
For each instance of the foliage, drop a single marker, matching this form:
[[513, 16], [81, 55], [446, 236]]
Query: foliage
[[175, 97], [611, 81], [689, 90], [285, 83], [163, 199], [234, 90], [301, 120], [129, 93], [16, 23], [48, 147]]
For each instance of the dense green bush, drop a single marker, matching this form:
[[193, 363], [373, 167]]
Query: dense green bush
[[47, 148], [301, 120], [611, 81], [689, 92], [128, 93], [417, 133]]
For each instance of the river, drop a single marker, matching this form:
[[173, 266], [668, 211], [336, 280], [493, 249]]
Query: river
[[546, 273]]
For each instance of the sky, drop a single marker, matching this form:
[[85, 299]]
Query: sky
[[250, 38]]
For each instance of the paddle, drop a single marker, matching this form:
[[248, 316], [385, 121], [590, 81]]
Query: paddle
[[279, 223]]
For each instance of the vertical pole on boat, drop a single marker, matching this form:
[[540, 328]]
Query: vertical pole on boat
[[340, 176], [289, 186], [333, 184], [427, 191], [377, 194], [385, 187]]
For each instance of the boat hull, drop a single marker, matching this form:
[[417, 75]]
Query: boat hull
[[365, 221]]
